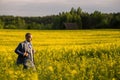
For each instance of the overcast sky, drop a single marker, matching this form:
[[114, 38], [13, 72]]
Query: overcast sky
[[49, 7]]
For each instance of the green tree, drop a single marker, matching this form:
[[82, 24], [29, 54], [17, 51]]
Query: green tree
[[115, 21], [69, 17], [79, 11], [10, 26], [85, 20], [20, 23], [96, 19], [79, 21], [1, 24], [72, 11], [57, 21]]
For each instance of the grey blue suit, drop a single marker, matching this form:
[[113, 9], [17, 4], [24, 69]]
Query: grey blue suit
[[28, 61]]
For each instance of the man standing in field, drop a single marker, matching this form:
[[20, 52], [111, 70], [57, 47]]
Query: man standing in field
[[25, 53]]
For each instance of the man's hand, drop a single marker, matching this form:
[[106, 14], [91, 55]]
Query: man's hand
[[33, 51], [25, 54]]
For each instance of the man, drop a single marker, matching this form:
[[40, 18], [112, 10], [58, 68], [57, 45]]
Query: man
[[25, 53]]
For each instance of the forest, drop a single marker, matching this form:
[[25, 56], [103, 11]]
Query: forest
[[84, 20]]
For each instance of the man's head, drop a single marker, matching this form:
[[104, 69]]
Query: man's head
[[28, 37]]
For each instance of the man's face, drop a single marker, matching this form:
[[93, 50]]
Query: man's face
[[29, 38]]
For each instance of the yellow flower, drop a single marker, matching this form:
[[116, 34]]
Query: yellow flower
[[73, 72], [10, 72], [50, 68], [9, 58], [34, 76], [113, 79]]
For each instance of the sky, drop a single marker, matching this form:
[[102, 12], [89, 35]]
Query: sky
[[51, 7]]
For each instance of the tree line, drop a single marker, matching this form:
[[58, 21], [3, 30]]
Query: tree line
[[84, 20]]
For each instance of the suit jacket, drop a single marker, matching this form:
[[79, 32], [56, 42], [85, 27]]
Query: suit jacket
[[21, 49]]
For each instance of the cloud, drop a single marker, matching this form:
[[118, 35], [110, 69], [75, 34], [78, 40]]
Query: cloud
[[31, 1], [48, 7]]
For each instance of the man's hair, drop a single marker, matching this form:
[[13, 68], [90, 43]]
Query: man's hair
[[27, 34]]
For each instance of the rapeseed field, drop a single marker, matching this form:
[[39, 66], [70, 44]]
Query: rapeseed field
[[63, 55]]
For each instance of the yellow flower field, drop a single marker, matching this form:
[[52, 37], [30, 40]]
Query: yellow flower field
[[63, 55]]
